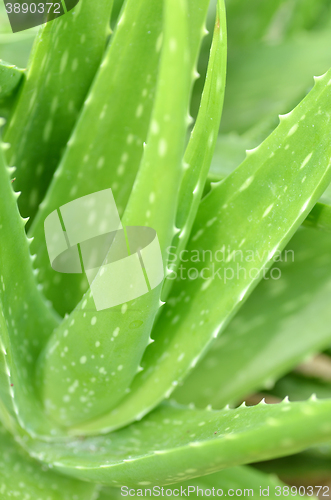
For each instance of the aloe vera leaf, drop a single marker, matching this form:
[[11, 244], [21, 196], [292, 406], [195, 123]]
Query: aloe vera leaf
[[26, 320], [230, 152], [24, 478], [250, 354], [173, 440], [64, 60], [100, 366], [199, 151], [243, 480], [257, 209], [129, 69], [10, 79], [107, 144], [264, 81]]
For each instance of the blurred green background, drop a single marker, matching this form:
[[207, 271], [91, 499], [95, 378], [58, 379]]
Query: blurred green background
[[14, 48]]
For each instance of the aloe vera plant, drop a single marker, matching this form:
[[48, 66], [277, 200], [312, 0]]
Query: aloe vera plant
[[147, 393]]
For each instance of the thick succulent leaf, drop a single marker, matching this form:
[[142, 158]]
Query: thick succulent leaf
[[230, 152], [64, 60], [255, 211], [107, 144], [231, 481], [203, 138], [174, 442], [24, 478], [266, 80], [100, 366], [250, 354], [26, 320], [10, 79]]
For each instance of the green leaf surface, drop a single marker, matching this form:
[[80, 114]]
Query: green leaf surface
[[107, 144], [230, 151], [203, 138], [100, 366], [256, 210], [24, 478], [26, 319], [320, 217], [174, 443], [64, 60], [10, 79], [238, 481], [284, 321]]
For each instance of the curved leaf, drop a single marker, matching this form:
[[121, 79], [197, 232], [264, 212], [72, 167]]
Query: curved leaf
[[250, 354], [174, 442], [230, 152], [107, 143], [64, 60], [24, 478], [26, 320], [255, 210], [93, 381], [199, 151]]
